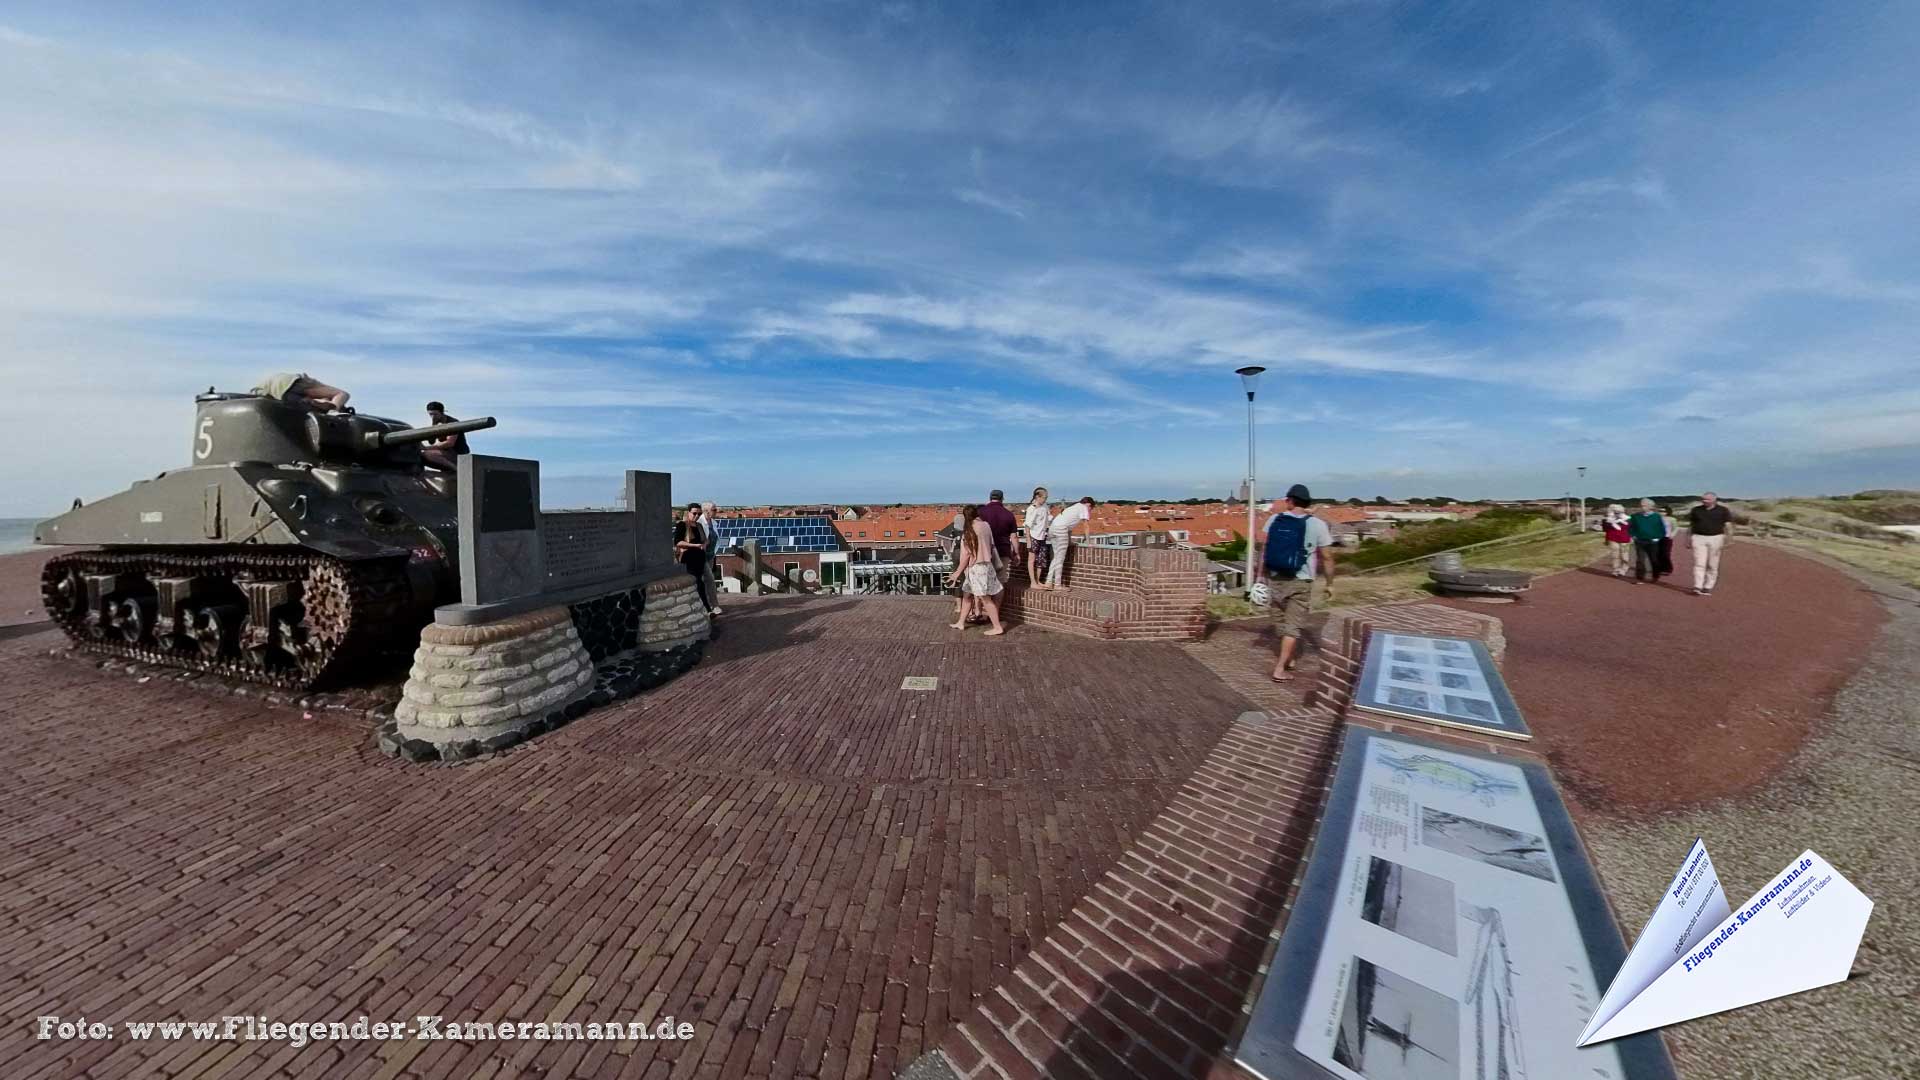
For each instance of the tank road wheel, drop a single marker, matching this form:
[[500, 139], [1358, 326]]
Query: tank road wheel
[[133, 618], [216, 628]]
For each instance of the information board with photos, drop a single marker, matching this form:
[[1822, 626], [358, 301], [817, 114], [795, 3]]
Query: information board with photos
[[1449, 928], [1442, 680]]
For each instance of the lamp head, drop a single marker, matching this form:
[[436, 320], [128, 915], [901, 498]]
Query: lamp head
[[1249, 377]]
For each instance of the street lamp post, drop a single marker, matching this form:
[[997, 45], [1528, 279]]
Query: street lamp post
[[1580, 473], [1249, 378]]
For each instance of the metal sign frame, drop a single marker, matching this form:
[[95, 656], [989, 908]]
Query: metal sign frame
[[1376, 689], [1268, 1047]]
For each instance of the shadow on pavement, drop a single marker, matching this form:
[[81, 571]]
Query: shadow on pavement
[[767, 626], [1128, 1007], [23, 629]]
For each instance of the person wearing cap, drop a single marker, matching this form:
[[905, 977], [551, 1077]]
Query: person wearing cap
[[1001, 521], [1293, 545], [443, 454]]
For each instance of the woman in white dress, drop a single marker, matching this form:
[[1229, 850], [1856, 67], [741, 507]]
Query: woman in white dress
[[976, 571]]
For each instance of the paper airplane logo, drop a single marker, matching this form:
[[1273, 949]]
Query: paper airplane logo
[[1697, 956]]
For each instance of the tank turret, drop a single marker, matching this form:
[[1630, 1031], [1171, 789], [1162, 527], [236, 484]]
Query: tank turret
[[295, 544]]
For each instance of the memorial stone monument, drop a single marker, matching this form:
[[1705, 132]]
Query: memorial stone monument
[[559, 611]]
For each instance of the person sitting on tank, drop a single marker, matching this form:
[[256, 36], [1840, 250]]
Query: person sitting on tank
[[299, 388], [443, 454]]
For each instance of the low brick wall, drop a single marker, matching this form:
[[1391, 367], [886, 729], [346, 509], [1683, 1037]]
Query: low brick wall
[[1343, 642], [1135, 594]]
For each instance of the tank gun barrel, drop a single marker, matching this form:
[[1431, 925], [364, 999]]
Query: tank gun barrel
[[374, 440]]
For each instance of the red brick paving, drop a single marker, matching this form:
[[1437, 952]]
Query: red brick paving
[[1148, 975], [1647, 696], [819, 869]]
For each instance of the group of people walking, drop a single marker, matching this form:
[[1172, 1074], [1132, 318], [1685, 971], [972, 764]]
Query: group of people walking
[[1645, 540], [990, 541]]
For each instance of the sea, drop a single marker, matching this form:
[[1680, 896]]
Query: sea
[[16, 534]]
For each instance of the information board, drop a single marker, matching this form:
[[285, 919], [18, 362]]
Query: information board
[[1449, 928], [1442, 680], [584, 547]]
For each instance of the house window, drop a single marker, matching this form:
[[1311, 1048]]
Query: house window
[[863, 534], [792, 571], [923, 534], [833, 573]]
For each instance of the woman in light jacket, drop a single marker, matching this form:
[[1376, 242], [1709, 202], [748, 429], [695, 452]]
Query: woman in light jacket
[[976, 571], [1619, 539], [1039, 553]]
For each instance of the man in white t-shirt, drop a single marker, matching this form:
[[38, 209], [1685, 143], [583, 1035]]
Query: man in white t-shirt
[[1060, 537], [1290, 547]]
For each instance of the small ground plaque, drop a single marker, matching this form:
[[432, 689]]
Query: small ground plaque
[[1442, 680], [920, 682], [1449, 928]]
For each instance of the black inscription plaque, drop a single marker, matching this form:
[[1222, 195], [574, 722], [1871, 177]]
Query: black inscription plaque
[[587, 547], [506, 501]]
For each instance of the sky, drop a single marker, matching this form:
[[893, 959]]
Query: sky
[[898, 251]]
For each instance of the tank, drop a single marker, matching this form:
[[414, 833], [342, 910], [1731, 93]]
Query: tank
[[296, 546]]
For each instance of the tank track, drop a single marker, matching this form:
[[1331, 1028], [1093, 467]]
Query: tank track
[[353, 611]]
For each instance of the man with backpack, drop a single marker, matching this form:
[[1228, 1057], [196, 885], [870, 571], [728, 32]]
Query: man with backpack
[[1294, 544]]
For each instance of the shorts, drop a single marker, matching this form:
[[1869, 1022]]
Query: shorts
[[1291, 602], [1042, 554], [981, 580]]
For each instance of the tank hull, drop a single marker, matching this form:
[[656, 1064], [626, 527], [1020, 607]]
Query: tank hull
[[296, 546]]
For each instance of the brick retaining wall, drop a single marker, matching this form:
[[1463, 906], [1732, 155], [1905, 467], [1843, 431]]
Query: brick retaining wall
[[1133, 594]]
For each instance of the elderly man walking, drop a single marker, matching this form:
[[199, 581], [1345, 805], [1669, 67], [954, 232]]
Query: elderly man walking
[[1707, 523], [1295, 542]]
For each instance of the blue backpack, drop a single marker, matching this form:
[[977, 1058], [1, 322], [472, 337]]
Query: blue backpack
[[1286, 546]]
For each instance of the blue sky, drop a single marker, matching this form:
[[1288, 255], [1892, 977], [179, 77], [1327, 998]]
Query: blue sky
[[907, 251]]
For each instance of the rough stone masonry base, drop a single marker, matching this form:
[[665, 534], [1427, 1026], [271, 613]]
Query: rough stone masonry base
[[477, 689], [487, 684]]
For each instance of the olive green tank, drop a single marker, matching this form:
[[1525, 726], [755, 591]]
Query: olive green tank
[[295, 547]]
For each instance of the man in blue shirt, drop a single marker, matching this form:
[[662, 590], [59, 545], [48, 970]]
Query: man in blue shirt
[[1290, 547]]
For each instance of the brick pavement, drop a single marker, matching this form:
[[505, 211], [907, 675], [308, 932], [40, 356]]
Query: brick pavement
[[1149, 975], [819, 869]]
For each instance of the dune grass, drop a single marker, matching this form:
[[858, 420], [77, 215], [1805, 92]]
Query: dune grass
[[1899, 561], [1563, 551]]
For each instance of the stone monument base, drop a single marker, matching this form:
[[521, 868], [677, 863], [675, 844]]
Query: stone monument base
[[477, 689]]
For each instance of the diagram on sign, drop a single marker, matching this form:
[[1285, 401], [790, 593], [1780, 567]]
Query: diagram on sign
[[1448, 775]]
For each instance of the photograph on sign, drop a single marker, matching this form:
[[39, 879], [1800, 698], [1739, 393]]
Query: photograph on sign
[[1394, 1027], [1410, 903], [1448, 927], [1446, 681]]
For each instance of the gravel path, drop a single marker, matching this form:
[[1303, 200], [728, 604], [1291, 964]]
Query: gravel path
[[1850, 795], [1649, 697]]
